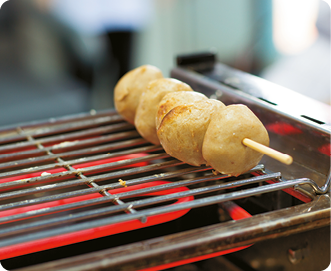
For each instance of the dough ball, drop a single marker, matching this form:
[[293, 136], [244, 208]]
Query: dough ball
[[171, 100], [128, 90], [222, 147], [148, 105], [182, 130]]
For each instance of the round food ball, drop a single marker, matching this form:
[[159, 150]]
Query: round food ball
[[128, 89], [222, 147], [148, 105], [183, 129], [171, 100]]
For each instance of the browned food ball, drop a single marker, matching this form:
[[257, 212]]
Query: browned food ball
[[128, 90], [222, 147], [171, 100], [148, 105], [182, 130]]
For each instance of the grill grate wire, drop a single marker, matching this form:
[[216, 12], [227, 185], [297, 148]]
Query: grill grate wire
[[51, 168]]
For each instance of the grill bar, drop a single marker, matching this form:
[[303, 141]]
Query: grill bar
[[200, 242], [148, 190], [90, 183], [140, 203], [52, 157], [60, 125], [67, 137], [82, 197], [142, 215], [74, 172], [78, 144], [104, 187]]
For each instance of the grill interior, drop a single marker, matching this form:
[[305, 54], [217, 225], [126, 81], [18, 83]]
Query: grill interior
[[92, 177], [89, 186]]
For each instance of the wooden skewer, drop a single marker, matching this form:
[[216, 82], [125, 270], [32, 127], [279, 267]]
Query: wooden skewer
[[281, 157]]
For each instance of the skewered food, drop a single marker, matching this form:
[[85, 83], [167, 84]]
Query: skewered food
[[182, 130], [174, 99], [222, 147], [191, 127], [148, 105], [128, 90]]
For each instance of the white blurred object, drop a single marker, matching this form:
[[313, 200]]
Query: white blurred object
[[305, 62], [294, 27], [93, 17], [2, 1]]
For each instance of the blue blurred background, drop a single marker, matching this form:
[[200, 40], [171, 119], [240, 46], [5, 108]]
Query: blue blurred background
[[60, 57]]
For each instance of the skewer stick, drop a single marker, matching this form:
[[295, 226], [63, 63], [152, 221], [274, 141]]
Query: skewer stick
[[281, 157]]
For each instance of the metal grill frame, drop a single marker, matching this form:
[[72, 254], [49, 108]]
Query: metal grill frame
[[52, 144], [120, 138]]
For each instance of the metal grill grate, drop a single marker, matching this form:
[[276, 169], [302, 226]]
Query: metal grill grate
[[59, 183]]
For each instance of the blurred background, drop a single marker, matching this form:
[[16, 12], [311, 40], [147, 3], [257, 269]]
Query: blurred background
[[60, 57]]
